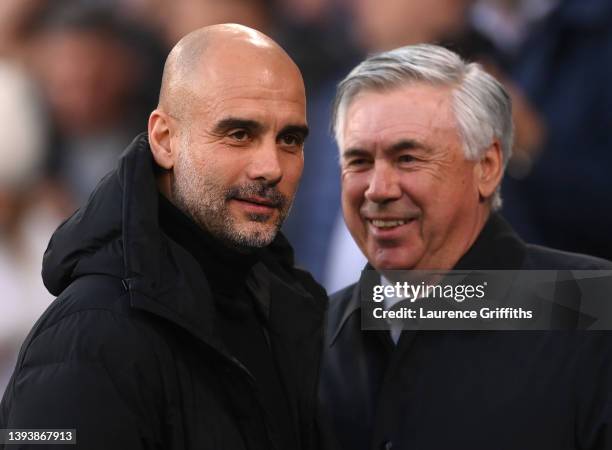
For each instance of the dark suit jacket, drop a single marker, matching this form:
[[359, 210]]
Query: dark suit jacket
[[476, 390]]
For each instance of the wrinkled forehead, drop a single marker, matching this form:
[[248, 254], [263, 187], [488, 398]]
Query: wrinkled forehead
[[415, 110]]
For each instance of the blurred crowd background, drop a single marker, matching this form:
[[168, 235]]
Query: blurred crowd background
[[78, 79]]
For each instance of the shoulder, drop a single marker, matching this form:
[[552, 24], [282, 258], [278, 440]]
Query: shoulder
[[89, 360], [90, 322], [539, 257]]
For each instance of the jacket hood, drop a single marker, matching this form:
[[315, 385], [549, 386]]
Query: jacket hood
[[111, 234]]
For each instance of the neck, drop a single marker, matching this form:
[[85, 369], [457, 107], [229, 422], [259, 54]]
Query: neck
[[225, 268], [163, 180]]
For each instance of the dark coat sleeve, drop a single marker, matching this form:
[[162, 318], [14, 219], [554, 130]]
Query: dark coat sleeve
[[91, 371]]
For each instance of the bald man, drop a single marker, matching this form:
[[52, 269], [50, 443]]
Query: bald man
[[180, 321]]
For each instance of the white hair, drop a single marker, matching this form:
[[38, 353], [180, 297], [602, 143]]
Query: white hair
[[481, 105]]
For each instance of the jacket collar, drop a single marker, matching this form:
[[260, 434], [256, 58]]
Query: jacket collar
[[497, 247]]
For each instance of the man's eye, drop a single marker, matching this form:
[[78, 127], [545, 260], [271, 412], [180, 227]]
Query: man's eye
[[239, 135], [405, 158], [292, 140]]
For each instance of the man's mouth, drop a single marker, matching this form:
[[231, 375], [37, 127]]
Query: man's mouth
[[257, 205], [257, 199], [387, 223], [261, 201]]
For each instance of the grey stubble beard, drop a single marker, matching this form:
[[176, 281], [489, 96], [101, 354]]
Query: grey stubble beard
[[206, 201]]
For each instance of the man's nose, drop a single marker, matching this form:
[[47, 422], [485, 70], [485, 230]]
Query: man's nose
[[384, 185], [265, 163]]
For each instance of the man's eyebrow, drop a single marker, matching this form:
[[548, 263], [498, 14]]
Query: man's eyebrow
[[404, 144], [355, 152], [408, 144], [230, 123], [301, 130]]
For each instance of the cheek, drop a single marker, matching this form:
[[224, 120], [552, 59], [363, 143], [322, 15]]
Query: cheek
[[419, 190], [293, 167], [206, 171], [223, 165], [354, 186], [449, 198], [462, 187], [353, 190]]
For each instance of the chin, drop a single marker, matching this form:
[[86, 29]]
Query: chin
[[259, 234], [390, 259]]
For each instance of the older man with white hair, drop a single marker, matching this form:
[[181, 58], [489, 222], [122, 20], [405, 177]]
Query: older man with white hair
[[424, 138]]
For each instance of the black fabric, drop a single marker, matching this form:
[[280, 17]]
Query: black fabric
[[239, 324], [472, 390], [128, 354], [226, 269]]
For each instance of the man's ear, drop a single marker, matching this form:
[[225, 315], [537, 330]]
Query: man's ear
[[489, 170], [160, 139]]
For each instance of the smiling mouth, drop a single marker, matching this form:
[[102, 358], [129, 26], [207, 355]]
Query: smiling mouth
[[391, 223]]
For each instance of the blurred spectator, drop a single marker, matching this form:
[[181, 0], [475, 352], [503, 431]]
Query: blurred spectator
[[97, 74], [388, 24], [315, 33], [174, 19], [565, 67], [16, 22], [27, 214], [507, 22]]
